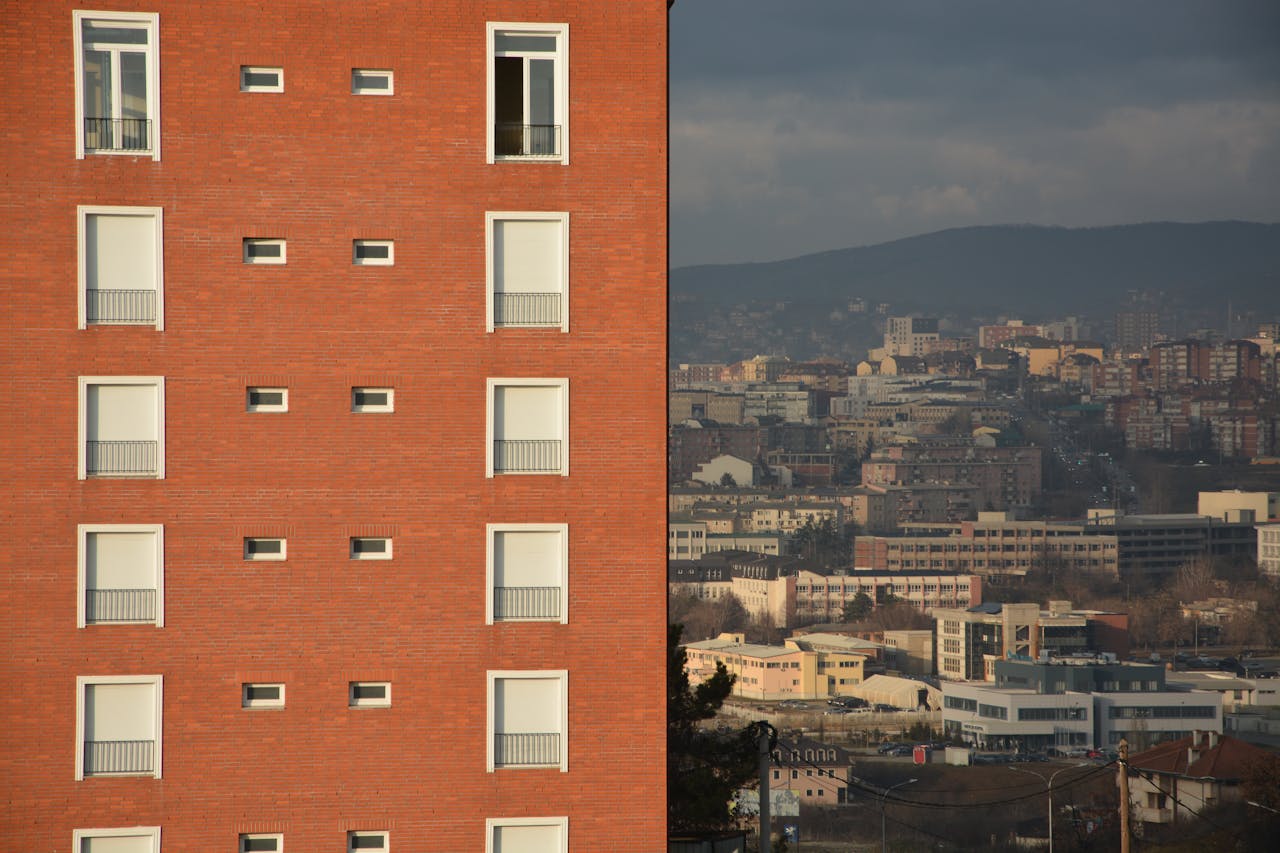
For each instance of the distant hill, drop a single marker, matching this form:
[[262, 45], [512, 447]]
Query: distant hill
[[1016, 269]]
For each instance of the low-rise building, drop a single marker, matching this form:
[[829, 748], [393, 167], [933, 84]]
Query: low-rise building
[[823, 596], [776, 672], [1074, 702], [1268, 550], [818, 773], [1173, 782]]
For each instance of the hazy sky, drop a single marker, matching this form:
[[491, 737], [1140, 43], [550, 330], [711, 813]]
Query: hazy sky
[[804, 125]]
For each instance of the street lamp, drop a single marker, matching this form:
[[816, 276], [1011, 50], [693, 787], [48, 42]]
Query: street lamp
[[1049, 783], [884, 827]]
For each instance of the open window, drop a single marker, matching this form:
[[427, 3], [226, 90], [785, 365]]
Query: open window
[[117, 83], [528, 92]]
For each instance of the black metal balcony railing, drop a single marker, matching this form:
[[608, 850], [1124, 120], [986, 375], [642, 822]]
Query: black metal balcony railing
[[119, 605], [120, 306], [526, 602], [526, 749], [526, 309], [526, 140], [121, 458], [535, 456], [119, 756], [117, 134]]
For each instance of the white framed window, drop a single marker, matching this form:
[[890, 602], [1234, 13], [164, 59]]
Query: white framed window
[[528, 719], [372, 81], [370, 548], [373, 253], [528, 92], [369, 694], [121, 426], [262, 695], [373, 399], [526, 835], [527, 269], [128, 839], [527, 426], [368, 840], [261, 399], [526, 573], [118, 725], [263, 250], [121, 266], [117, 83], [121, 574], [264, 548], [261, 78], [262, 842]]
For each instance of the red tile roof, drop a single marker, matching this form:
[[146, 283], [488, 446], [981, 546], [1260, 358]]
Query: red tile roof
[[1229, 758]]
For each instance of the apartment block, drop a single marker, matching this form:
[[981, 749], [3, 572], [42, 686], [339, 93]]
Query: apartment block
[[336, 351], [1006, 477]]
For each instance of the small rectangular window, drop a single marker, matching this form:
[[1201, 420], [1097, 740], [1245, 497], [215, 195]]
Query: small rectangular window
[[368, 841], [267, 399], [373, 253], [257, 548], [369, 81], [133, 839], [370, 548], [262, 695], [258, 78], [369, 694], [257, 841], [372, 400], [260, 250]]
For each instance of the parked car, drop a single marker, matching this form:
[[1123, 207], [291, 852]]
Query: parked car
[[887, 747]]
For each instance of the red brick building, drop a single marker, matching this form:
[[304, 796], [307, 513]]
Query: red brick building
[[336, 341]]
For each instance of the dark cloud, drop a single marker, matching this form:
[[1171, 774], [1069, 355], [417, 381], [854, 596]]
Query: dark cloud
[[803, 125]]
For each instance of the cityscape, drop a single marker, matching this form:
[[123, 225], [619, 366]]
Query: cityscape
[[402, 391]]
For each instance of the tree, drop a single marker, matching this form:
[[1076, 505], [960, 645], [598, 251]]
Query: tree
[[859, 608], [727, 481], [704, 769]]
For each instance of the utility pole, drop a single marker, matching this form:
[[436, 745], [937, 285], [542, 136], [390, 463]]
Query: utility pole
[[1124, 796], [766, 838]]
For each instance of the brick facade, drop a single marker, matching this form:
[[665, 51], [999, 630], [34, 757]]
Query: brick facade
[[320, 167]]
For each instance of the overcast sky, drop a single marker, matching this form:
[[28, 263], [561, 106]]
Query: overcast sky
[[804, 125]]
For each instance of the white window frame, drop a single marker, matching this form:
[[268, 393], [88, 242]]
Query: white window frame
[[246, 70], [354, 702], [151, 833], [83, 681], [250, 406], [561, 32], [490, 217], [387, 73], [150, 22], [369, 408], [260, 704], [83, 212], [358, 261], [82, 540], [264, 241], [84, 383], [492, 678], [494, 383], [490, 553], [492, 823], [267, 557], [368, 555], [384, 834], [278, 837]]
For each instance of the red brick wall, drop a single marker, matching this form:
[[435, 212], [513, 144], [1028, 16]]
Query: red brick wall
[[320, 167]]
